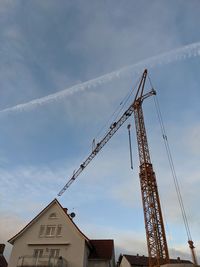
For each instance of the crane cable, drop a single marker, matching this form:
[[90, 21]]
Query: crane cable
[[118, 110], [176, 183], [130, 145], [178, 191]]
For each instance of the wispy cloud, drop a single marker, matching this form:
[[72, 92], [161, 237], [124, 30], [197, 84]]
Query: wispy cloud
[[130, 242], [20, 181], [181, 53]]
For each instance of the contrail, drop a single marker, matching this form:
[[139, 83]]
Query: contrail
[[184, 52]]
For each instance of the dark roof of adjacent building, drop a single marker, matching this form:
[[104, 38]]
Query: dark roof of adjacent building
[[102, 249], [144, 261], [3, 262]]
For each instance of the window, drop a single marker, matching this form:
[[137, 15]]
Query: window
[[42, 229], [52, 216], [50, 230], [59, 229], [54, 253], [37, 253]]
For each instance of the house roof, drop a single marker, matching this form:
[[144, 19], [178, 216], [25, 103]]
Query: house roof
[[12, 240], [102, 249], [99, 249], [3, 262], [144, 261]]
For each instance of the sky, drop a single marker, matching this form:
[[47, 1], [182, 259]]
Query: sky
[[65, 68]]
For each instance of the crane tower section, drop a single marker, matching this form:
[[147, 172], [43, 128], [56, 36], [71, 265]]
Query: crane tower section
[[155, 232]]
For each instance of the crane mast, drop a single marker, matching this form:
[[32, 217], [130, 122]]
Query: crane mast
[[155, 232]]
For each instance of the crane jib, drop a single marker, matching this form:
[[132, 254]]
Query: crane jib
[[113, 129]]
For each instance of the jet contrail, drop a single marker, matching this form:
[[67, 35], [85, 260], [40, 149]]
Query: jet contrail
[[184, 52]]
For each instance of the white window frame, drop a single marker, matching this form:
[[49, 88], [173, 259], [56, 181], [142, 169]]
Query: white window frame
[[38, 253], [54, 252], [50, 231], [59, 230], [42, 230], [52, 216]]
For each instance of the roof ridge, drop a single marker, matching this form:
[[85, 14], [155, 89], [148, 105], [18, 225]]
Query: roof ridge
[[11, 240]]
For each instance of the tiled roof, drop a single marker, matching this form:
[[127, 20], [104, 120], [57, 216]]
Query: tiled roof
[[65, 210], [102, 249], [178, 260], [144, 261], [3, 262], [137, 260]]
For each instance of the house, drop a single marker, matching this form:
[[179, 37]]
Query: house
[[143, 261], [3, 262], [53, 239]]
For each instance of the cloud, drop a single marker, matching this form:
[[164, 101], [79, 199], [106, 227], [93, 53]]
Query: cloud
[[131, 242], [10, 224], [193, 139], [21, 185], [19, 182], [181, 53]]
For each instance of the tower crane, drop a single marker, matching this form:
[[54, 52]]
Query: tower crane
[[155, 232]]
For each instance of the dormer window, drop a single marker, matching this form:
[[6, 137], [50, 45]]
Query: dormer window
[[52, 216]]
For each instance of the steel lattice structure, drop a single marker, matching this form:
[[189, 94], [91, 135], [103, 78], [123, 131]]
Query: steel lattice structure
[[155, 232]]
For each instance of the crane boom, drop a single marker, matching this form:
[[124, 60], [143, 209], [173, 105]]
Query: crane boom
[[113, 129]]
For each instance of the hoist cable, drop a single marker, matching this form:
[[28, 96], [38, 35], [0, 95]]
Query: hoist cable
[[130, 145], [118, 110], [126, 99], [175, 179]]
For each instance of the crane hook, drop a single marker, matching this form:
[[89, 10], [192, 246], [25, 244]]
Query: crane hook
[[130, 146]]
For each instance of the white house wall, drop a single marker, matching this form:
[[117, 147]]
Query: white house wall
[[124, 263], [71, 243]]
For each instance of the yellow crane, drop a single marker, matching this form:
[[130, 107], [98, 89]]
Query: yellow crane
[[155, 232]]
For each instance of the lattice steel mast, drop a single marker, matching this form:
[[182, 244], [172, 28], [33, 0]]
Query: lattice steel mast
[[155, 232]]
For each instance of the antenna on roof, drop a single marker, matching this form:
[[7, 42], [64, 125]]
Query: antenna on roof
[[72, 215]]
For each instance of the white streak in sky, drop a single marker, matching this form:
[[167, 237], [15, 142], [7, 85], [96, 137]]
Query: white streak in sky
[[181, 53]]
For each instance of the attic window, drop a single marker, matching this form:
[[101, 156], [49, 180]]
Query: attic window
[[52, 216]]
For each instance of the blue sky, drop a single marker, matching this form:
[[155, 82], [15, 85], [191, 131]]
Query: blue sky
[[57, 93]]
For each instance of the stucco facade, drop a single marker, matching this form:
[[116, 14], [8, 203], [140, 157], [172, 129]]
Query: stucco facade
[[51, 235], [124, 262]]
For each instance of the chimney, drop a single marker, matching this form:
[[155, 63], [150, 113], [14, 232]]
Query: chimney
[[65, 210], [2, 247]]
